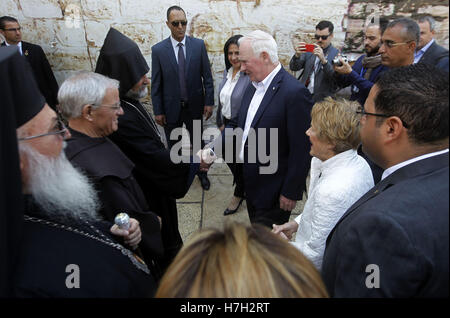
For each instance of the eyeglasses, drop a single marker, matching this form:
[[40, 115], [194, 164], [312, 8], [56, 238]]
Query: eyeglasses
[[13, 29], [58, 129], [177, 23], [362, 112], [390, 44], [324, 37], [114, 107]]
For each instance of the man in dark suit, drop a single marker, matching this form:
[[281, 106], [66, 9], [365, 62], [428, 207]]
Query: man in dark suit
[[317, 66], [273, 119], [428, 51], [11, 31], [394, 241], [182, 85]]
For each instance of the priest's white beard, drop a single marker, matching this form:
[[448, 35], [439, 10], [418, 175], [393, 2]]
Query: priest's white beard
[[139, 94], [58, 188]]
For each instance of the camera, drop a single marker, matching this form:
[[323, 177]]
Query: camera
[[337, 60]]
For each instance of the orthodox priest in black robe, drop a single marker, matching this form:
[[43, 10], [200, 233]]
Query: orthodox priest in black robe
[[161, 180], [57, 236]]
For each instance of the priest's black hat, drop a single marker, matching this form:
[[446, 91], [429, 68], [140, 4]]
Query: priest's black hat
[[121, 59], [18, 86]]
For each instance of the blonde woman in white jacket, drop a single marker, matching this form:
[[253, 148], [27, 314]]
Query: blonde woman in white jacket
[[338, 177]]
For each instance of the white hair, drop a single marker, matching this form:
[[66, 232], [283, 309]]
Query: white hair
[[262, 42], [62, 191], [82, 89]]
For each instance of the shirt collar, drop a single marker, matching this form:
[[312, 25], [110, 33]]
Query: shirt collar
[[264, 84], [336, 160], [425, 48], [19, 45], [175, 42], [392, 169]]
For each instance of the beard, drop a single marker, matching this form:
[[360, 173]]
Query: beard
[[372, 51], [62, 192], [141, 93]]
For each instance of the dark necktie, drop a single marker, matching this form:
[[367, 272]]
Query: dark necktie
[[182, 79]]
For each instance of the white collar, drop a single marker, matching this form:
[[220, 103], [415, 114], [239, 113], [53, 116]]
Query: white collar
[[331, 163], [392, 169], [175, 42], [264, 84]]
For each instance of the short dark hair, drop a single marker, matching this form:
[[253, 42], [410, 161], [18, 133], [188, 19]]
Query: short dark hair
[[5, 19], [411, 27], [233, 40], [418, 94], [381, 22], [325, 24], [429, 19], [172, 8]]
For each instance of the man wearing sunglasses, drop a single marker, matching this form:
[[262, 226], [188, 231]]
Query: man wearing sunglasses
[[393, 242], [182, 85], [43, 74], [317, 69]]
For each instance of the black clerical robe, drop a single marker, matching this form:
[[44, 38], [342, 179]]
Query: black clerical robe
[[111, 172], [161, 180], [56, 262]]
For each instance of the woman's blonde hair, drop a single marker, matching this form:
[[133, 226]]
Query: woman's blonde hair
[[336, 121], [243, 262]]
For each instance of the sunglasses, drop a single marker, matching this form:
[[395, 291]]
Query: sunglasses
[[13, 29], [58, 129], [114, 107], [390, 44], [324, 37], [177, 23]]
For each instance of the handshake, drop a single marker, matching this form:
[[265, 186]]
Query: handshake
[[207, 157]]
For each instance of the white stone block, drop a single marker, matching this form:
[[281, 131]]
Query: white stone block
[[100, 9], [41, 9]]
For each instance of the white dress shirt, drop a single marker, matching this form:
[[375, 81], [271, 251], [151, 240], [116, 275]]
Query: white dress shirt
[[335, 184], [176, 47], [19, 46], [261, 89], [392, 169], [227, 91]]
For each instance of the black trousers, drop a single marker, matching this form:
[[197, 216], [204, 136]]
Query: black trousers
[[267, 217], [236, 170], [187, 119]]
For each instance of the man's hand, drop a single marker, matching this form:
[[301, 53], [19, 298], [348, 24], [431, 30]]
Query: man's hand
[[161, 120], [318, 51], [132, 236], [344, 69], [299, 49], [221, 128], [287, 204], [207, 112], [285, 230]]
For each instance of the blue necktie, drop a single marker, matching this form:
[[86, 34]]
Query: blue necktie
[[182, 80]]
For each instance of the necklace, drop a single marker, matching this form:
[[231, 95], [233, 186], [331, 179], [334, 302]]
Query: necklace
[[150, 122], [138, 262]]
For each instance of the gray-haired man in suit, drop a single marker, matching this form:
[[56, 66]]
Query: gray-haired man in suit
[[428, 51]]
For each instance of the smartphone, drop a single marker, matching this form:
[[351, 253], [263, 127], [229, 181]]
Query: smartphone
[[310, 47]]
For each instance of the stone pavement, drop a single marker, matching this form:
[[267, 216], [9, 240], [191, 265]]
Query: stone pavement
[[200, 209]]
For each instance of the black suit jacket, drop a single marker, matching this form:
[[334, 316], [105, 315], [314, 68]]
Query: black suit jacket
[[286, 108], [42, 72], [437, 56], [401, 226]]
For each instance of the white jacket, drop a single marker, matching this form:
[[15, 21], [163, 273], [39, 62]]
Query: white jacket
[[335, 184]]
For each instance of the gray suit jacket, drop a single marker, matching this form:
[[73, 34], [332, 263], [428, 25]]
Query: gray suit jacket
[[437, 56], [236, 96], [324, 80]]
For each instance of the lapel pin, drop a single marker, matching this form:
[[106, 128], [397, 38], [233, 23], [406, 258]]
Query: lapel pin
[[26, 52]]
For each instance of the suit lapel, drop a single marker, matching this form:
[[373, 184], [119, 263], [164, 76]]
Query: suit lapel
[[271, 90], [245, 105], [171, 54], [188, 55]]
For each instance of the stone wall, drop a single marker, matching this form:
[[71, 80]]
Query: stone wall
[[71, 32]]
